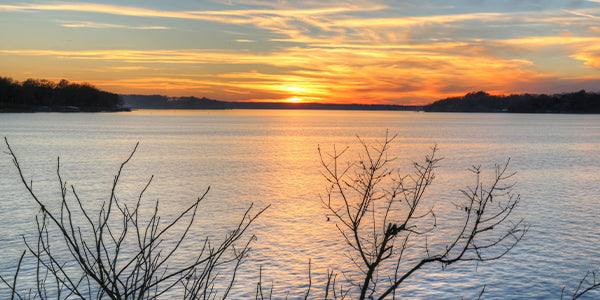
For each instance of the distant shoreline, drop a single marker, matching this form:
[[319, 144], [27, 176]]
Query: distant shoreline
[[574, 103], [164, 102], [44, 96], [242, 105]]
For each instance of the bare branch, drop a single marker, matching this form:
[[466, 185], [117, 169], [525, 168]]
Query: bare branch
[[113, 264], [380, 215]]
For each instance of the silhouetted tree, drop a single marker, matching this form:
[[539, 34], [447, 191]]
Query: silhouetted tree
[[579, 102], [10, 91], [33, 93], [380, 214], [118, 254]]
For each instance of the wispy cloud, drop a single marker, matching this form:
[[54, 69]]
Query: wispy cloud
[[193, 15], [583, 14], [585, 49], [130, 68], [97, 8], [81, 24]]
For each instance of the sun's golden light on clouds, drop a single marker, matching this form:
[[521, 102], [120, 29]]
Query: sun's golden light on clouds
[[405, 52]]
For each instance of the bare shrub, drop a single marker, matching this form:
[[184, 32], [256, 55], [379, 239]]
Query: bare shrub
[[118, 254], [380, 215]]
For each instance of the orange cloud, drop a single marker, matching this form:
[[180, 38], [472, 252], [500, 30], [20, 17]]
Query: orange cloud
[[319, 74], [590, 59]]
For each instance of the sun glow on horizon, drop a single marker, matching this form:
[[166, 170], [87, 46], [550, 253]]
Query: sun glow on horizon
[[294, 100]]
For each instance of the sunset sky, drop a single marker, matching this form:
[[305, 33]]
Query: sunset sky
[[376, 51]]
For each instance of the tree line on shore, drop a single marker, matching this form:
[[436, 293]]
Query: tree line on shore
[[578, 102], [45, 95]]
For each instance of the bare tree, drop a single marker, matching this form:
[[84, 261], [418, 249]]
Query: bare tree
[[381, 216], [117, 254], [587, 284]]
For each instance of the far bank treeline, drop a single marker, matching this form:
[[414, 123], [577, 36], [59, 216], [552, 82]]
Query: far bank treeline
[[165, 102], [44, 95], [579, 102]]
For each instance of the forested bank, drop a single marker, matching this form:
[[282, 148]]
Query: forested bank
[[579, 102], [44, 95]]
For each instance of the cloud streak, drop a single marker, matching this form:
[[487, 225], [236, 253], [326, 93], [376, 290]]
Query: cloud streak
[[229, 15], [82, 24]]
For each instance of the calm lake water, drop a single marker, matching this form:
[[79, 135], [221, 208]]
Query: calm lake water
[[270, 157]]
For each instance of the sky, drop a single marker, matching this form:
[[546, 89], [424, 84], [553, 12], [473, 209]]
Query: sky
[[345, 51]]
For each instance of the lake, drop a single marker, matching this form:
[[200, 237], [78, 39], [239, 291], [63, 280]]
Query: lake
[[270, 157]]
